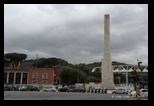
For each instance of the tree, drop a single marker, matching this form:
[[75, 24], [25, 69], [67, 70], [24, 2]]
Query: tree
[[15, 58], [65, 75], [49, 62], [71, 75]]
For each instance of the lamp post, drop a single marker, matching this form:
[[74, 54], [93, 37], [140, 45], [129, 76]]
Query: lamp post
[[36, 60], [127, 77], [137, 80]]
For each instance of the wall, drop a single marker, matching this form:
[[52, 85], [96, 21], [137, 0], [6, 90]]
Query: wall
[[50, 72]]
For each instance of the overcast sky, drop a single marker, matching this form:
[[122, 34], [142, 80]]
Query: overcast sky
[[75, 32]]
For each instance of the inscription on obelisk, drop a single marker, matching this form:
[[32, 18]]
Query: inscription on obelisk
[[107, 71]]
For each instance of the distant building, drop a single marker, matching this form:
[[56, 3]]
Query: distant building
[[57, 71], [123, 75], [21, 75]]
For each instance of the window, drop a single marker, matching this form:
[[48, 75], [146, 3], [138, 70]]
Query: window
[[44, 76], [35, 75], [44, 82], [35, 82], [5, 78], [24, 78], [11, 78], [55, 81], [18, 78]]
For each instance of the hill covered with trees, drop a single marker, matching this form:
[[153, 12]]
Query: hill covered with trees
[[70, 74]]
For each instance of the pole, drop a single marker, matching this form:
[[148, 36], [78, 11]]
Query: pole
[[137, 82], [127, 76], [36, 60], [137, 97]]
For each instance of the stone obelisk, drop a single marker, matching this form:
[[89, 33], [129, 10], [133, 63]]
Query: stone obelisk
[[107, 71]]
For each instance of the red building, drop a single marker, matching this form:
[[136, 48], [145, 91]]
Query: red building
[[32, 75], [41, 76], [57, 71]]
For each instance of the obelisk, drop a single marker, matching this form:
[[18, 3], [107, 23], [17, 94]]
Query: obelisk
[[106, 70]]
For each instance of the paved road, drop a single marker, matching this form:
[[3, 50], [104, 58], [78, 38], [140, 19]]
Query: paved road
[[28, 95]]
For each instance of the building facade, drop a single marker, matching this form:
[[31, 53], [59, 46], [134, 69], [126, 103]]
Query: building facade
[[31, 75], [57, 79]]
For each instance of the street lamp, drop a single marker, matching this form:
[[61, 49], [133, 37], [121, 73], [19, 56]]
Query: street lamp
[[137, 77], [36, 60]]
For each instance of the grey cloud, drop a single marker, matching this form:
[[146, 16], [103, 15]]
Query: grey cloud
[[76, 32]]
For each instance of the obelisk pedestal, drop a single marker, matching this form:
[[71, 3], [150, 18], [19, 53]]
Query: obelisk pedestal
[[107, 71]]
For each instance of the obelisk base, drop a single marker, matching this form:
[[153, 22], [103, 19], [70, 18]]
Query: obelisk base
[[107, 81], [107, 72]]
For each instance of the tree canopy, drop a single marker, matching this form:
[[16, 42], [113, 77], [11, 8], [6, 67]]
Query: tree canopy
[[15, 58], [71, 76]]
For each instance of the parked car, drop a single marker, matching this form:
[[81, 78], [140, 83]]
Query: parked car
[[120, 91], [8, 87], [23, 88], [144, 93], [50, 89], [29, 88], [71, 88], [78, 89], [35, 88], [64, 89]]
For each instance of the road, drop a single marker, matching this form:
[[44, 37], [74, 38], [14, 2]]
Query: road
[[28, 95]]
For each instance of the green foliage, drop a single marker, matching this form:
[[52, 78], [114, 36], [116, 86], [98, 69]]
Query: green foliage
[[71, 76], [65, 75], [49, 62], [118, 63], [15, 57], [93, 79]]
